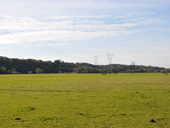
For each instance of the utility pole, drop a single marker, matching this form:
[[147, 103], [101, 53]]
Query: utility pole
[[95, 60], [109, 56], [132, 66]]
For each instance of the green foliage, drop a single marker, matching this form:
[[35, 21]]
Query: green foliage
[[24, 66], [3, 70], [29, 72], [39, 70]]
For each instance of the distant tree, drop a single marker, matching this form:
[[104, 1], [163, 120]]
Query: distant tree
[[14, 65], [39, 70], [14, 71], [115, 70], [104, 70], [149, 70], [165, 71], [3, 70], [29, 72], [76, 70]]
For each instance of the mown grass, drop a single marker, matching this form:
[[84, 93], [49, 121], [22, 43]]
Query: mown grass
[[85, 101]]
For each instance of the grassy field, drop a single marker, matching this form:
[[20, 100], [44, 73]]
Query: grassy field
[[85, 101]]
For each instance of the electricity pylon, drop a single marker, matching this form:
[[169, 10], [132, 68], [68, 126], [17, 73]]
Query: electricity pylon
[[95, 60], [109, 56]]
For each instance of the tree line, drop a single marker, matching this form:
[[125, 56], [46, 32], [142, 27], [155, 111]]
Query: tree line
[[29, 66]]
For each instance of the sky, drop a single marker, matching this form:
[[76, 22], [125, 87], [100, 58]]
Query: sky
[[78, 30]]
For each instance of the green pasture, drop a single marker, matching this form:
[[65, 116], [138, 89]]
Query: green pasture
[[85, 101]]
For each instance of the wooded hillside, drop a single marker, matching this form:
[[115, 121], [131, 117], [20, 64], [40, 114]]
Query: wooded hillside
[[24, 66]]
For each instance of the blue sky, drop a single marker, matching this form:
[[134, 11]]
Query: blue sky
[[77, 30]]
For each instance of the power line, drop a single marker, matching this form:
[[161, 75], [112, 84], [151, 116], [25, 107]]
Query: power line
[[51, 50]]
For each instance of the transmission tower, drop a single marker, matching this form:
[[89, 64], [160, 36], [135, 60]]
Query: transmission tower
[[95, 60], [133, 63], [109, 56]]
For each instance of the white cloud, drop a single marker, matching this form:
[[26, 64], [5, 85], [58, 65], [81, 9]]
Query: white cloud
[[20, 30], [69, 23], [43, 36]]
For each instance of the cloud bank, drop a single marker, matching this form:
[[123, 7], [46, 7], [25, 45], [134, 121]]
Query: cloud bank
[[16, 30]]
